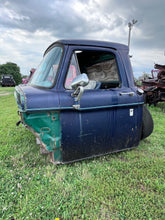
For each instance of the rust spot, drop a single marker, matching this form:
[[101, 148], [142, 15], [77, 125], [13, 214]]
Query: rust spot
[[53, 118], [45, 130]]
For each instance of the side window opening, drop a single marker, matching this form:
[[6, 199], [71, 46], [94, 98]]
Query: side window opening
[[100, 67]]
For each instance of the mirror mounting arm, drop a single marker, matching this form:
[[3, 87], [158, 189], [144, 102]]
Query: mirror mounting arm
[[78, 93]]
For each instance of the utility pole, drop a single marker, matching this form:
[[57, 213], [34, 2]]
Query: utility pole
[[130, 26]]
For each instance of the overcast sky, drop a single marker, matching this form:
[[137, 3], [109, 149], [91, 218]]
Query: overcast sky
[[27, 27]]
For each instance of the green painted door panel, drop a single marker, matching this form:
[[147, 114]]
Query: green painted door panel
[[47, 125]]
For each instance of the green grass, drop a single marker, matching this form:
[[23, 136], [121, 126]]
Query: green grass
[[6, 89], [161, 105], [127, 185]]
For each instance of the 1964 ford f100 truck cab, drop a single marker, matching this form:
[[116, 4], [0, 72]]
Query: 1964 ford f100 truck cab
[[82, 102]]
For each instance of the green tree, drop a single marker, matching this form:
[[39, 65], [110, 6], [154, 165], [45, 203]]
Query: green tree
[[145, 75], [137, 82], [11, 69]]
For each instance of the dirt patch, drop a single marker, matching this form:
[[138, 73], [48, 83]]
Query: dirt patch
[[5, 93]]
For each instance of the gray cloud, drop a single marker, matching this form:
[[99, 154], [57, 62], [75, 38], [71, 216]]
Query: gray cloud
[[57, 16], [25, 24]]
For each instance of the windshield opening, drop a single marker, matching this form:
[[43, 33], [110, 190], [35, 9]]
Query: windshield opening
[[46, 72]]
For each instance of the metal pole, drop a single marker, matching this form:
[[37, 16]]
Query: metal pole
[[129, 34], [130, 25]]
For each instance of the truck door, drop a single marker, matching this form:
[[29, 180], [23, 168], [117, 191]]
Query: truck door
[[106, 118]]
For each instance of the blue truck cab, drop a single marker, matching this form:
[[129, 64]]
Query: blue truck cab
[[82, 101]]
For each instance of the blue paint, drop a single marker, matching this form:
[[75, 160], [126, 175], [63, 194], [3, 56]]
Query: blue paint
[[103, 122]]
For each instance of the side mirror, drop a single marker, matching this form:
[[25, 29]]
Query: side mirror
[[80, 80], [78, 84]]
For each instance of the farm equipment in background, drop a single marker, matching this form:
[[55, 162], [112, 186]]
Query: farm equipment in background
[[154, 87], [26, 80], [7, 81]]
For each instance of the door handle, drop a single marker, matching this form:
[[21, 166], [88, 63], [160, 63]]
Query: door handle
[[127, 93]]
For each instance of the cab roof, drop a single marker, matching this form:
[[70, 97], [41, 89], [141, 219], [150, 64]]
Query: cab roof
[[95, 43]]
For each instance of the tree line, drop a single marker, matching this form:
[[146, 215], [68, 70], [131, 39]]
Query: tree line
[[11, 69]]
